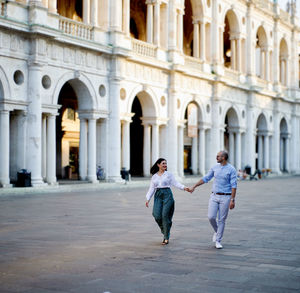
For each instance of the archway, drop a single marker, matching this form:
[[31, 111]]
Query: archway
[[136, 139], [143, 137], [262, 143], [231, 41], [67, 134], [71, 9], [138, 16], [76, 131], [188, 29], [232, 138], [283, 63], [284, 146], [193, 141], [261, 54], [195, 40]]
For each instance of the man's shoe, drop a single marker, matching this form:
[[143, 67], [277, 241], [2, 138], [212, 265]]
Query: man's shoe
[[218, 245], [214, 237]]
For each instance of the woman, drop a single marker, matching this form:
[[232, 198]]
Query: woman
[[163, 207]]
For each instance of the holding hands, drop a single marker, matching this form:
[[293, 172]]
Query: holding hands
[[188, 189]]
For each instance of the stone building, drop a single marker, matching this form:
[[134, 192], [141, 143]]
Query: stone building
[[119, 83]]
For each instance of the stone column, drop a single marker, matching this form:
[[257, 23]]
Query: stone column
[[94, 12], [114, 128], [180, 31], [214, 133], [156, 34], [52, 4], [172, 26], [83, 149], [238, 150], [266, 152], [233, 54], [86, 11], [180, 150], [21, 147], [172, 136], [202, 151], [91, 172], [44, 146], [260, 151], [222, 139], [215, 33], [149, 22], [282, 79], [287, 73], [126, 145], [276, 142], [195, 155], [196, 39], [51, 149], [276, 45], [34, 125], [146, 151], [287, 153], [281, 154], [249, 45], [231, 148], [262, 64], [126, 17], [294, 144], [250, 135], [4, 149], [239, 54], [155, 143], [267, 59], [221, 32], [203, 41], [116, 17]]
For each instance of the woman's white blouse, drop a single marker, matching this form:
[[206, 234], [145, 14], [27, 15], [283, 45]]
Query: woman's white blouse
[[165, 180]]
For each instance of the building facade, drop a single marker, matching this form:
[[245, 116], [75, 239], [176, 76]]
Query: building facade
[[119, 83]]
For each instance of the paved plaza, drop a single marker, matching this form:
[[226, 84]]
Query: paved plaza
[[106, 240]]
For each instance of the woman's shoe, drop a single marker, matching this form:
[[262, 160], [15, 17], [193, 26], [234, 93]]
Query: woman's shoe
[[165, 242]]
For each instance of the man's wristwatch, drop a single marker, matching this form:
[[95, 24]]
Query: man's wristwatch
[[232, 199]]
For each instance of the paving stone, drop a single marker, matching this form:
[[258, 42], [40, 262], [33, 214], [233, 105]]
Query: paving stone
[[107, 241]]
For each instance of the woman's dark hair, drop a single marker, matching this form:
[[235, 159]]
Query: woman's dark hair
[[154, 169]]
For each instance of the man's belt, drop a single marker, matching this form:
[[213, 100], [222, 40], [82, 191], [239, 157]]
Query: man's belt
[[222, 193]]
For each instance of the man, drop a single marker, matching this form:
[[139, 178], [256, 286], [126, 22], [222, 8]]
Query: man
[[223, 194]]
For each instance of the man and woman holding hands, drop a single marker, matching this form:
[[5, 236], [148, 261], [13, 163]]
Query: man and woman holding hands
[[221, 199]]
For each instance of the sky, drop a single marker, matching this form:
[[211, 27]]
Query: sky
[[282, 4]]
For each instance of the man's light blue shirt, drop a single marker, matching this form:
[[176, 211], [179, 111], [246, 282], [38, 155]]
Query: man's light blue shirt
[[225, 178]]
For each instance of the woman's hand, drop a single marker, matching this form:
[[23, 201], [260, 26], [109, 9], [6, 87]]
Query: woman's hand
[[147, 203], [188, 189]]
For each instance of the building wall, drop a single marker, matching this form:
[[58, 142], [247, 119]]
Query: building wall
[[250, 105]]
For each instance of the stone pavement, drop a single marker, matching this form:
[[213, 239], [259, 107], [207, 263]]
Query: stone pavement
[[106, 240]]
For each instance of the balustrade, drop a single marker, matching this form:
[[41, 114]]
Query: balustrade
[[143, 48], [76, 28]]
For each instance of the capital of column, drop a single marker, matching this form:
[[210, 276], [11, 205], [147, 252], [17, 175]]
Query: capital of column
[[182, 123], [196, 20]]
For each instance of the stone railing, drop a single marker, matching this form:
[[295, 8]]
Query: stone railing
[[75, 28], [193, 62], [285, 16], [143, 48], [232, 74], [266, 4]]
